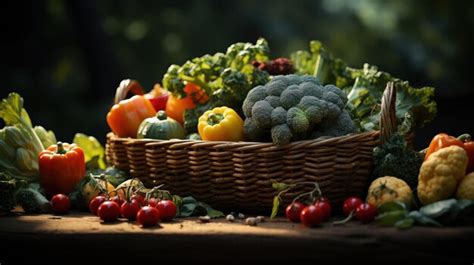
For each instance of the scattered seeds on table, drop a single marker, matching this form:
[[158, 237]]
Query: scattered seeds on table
[[260, 218], [241, 216], [230, 218], [204, 219], [252, 221]]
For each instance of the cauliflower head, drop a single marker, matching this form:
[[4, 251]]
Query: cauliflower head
[[440, 173], [466, 188]]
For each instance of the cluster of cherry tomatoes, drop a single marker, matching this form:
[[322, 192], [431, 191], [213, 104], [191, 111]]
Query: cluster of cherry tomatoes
[[315, 214], [145, 212]]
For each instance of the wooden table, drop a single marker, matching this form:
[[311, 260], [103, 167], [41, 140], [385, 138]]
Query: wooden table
[[82, 238]]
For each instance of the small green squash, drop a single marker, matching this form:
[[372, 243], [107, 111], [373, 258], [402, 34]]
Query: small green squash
[[160, 127]]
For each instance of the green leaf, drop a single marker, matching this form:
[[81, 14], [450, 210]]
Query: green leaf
[[12, 111], [187, 209], [280, 186], [92, 149], [438, 209], [276, 205], [390, 218], [391, 207], [405, 223], [423, 219]]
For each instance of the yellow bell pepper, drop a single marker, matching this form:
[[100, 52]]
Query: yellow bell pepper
[[221, 124]]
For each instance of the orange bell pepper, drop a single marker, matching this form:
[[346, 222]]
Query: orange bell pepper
[[125, 117], [444, 140], [61, 167], [175, 106]]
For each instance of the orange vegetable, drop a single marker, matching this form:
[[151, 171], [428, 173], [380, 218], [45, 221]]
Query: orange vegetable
[[61, 166], [125, 117], [175, 106]]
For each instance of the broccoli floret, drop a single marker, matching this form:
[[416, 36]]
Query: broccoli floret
[[334, 89], [293, 79], [341, 126], [261, 114], [333, 98], [275, 87], [314, 108], [255, 94], [297, 120], [333, 111], [31, 200], [311, 79], [251, 131], [281, 134], [278, 116], [273, 100], [291, 96], [310, 89]]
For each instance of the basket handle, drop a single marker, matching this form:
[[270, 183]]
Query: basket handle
[[128, 85], [388, 117]]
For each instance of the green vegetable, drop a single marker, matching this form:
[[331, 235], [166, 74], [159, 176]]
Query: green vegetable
[[306, 110], [415, 107], [188, 206], [32, 200], [94, 153], [20, 143], [160, 127], [390, 218], [394, 158], [7, 193], [226, 78], [47, 138], [421, 219]]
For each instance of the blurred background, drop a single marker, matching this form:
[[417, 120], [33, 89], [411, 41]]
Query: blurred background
[[66, 58]]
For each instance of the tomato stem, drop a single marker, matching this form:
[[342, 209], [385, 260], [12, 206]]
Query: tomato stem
[[345, 220]]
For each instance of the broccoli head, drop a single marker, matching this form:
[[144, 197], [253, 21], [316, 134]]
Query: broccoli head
[[298, 106]]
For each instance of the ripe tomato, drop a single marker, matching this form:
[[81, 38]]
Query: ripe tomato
[[60, 204], [325, 208], [312, 216], [139, 198], [153, 202], [117, 199], [324, 199], [130, 209], [366, 212], [95, 203], [175, 106], [148, 216], [109, 211], [167, 210], [293, 211], [350, 204]]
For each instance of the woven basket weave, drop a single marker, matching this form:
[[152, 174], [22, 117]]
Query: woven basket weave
[[239, 175]]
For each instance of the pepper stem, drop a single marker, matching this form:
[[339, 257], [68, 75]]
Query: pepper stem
[[214, 119], [61, 149]]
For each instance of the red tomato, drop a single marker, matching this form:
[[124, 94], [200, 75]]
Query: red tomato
[[312, 216], [366, 212], [60, 204], [325, 208], [153, 202], [130, 209], [167, 210], [350, 204], [148, 216], [139, 198], [109, 211], [293, 211], [117, 199], [95, 203], [324, 199]]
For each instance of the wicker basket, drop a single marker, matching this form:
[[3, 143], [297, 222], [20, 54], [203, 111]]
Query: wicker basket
[[239, 175]]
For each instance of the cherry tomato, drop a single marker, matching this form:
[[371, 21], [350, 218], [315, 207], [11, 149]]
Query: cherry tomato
[[148, 216], [366, 212], [153, 202], [325, 209], [167, 210], [117, 199], [95, 203], [109, 211], [139, 198], [311, 216], [60, 204], [324, 199], [350, 204], [293, 211], [130, 209]]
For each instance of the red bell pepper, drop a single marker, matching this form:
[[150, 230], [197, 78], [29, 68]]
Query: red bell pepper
[[61, 166]]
